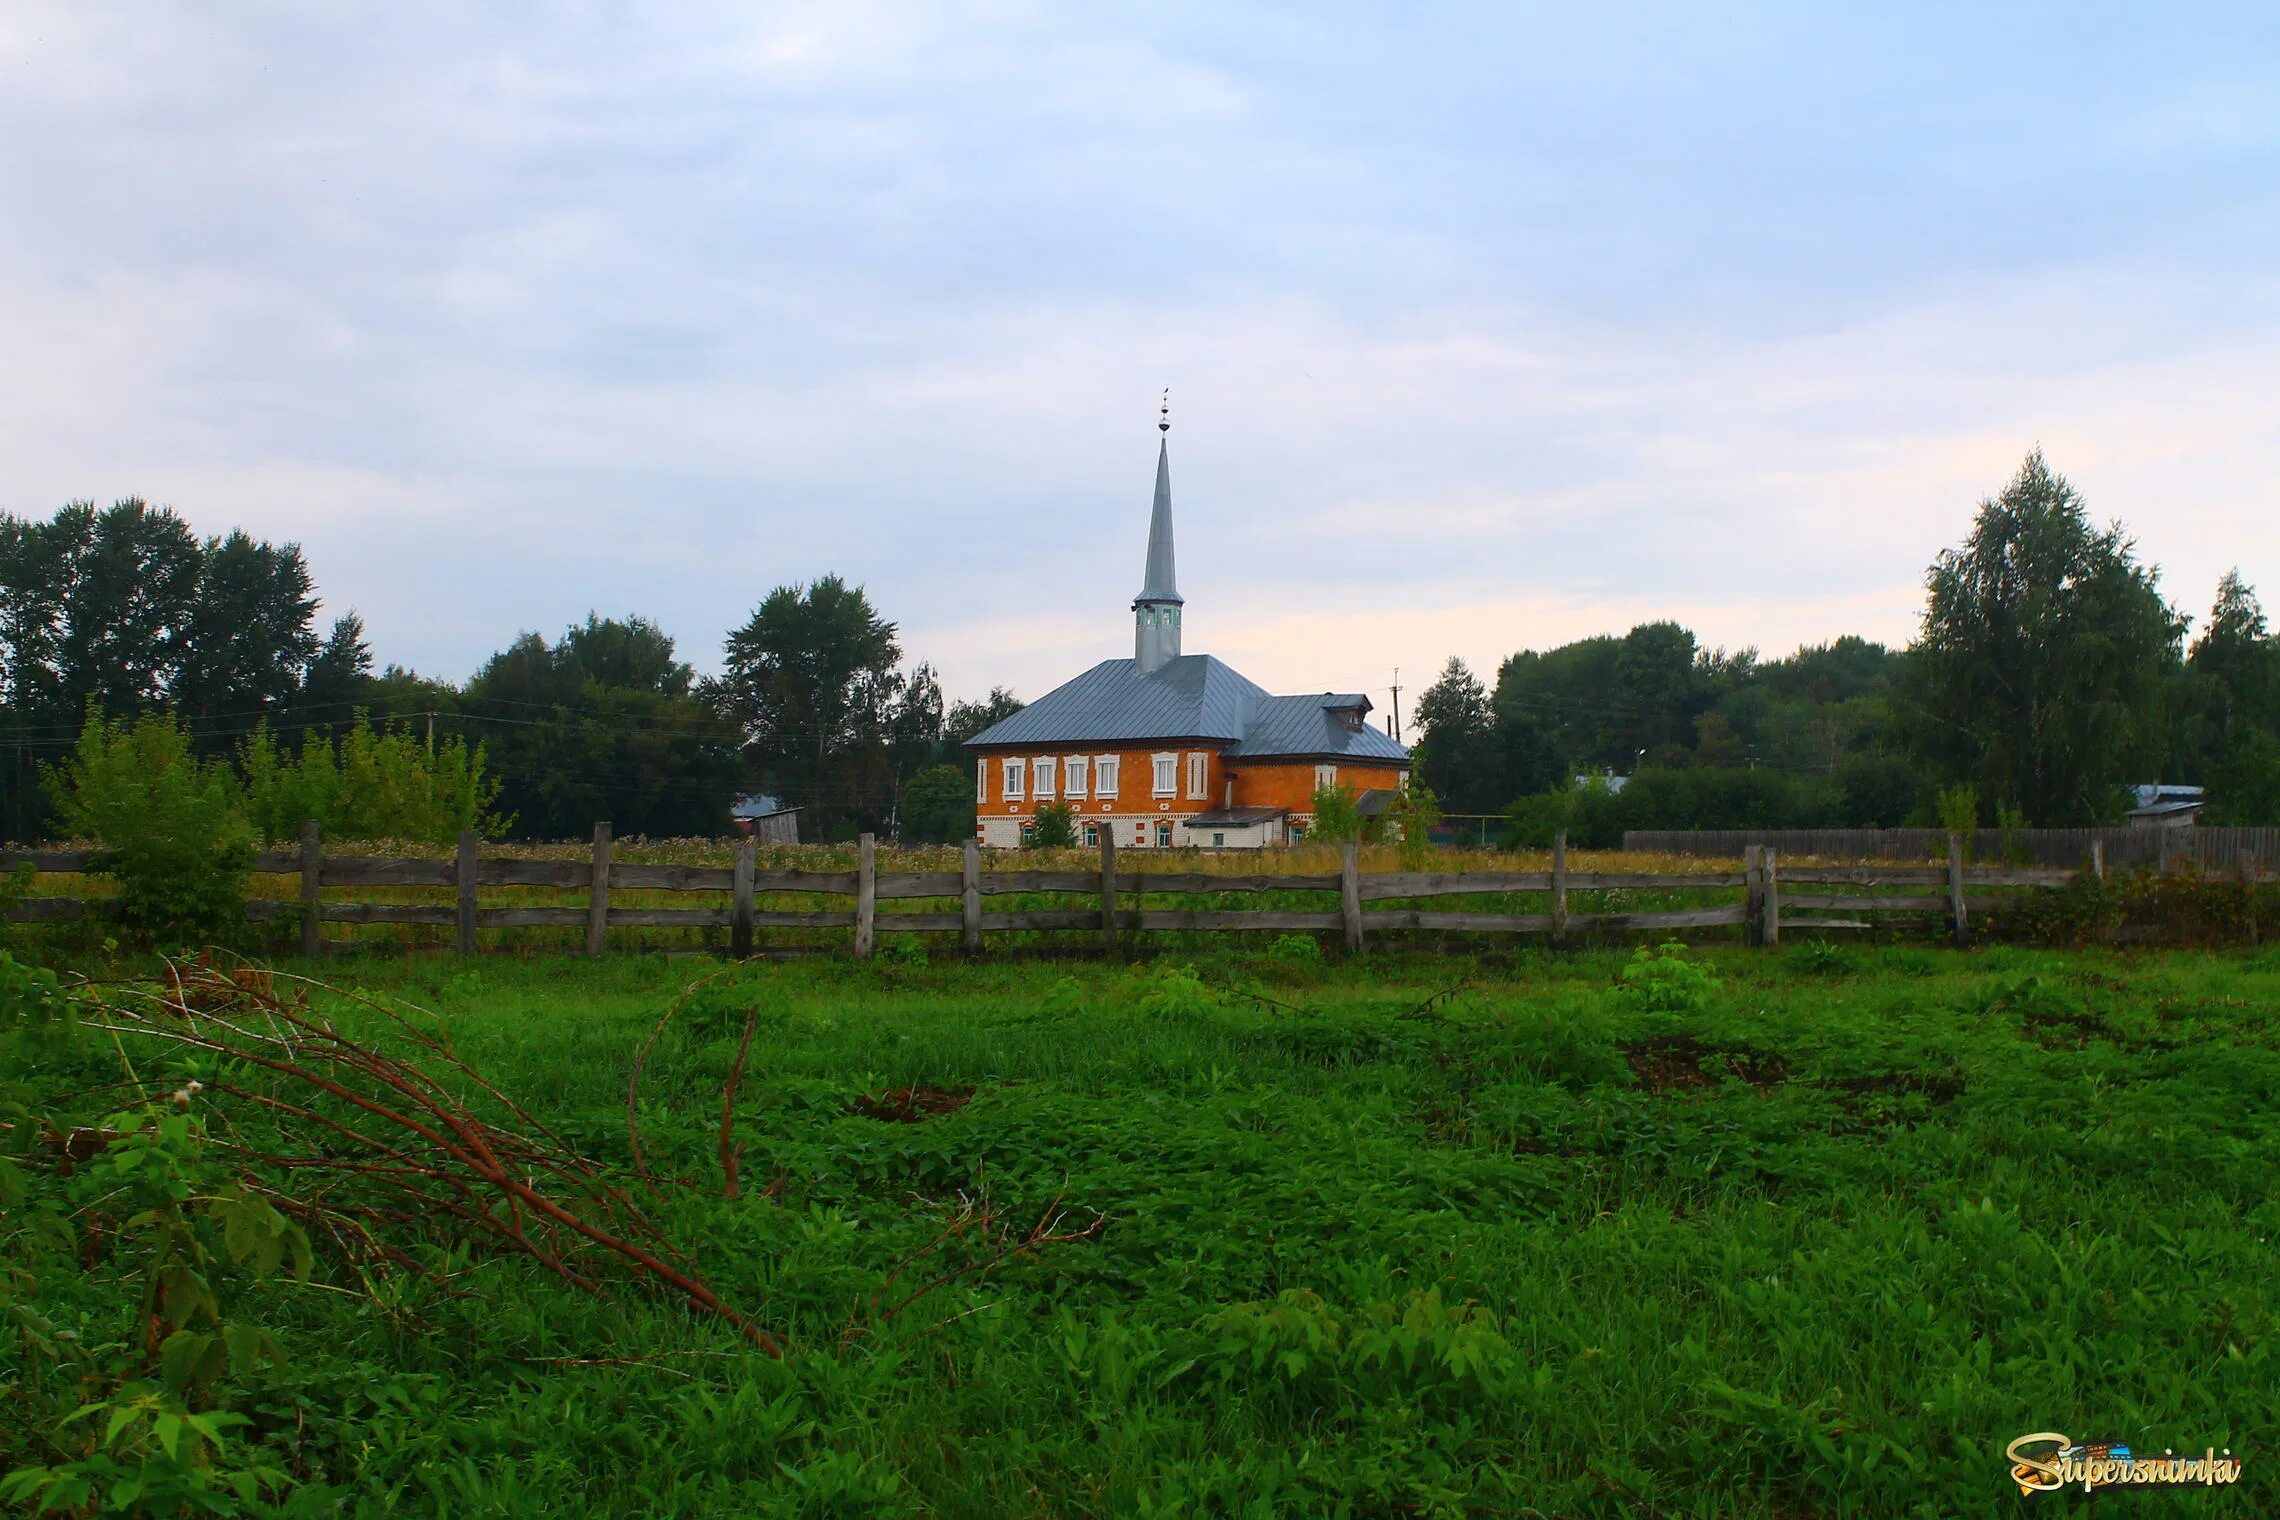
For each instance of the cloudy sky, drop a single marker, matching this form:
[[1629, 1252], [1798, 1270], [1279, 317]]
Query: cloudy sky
[[1486, 327]]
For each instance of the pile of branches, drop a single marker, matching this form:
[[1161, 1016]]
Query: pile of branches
[[386, 1137]]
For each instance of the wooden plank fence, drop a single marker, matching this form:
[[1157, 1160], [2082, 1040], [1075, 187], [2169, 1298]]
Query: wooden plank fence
[[2226, 850], [1769, 898]]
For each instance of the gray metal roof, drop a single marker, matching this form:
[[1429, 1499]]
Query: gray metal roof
[[1311, 726], [1160, 584], [1192, 697]]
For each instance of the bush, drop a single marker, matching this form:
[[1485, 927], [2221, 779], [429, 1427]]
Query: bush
[[371, 784], [1055, 827], [171, 829], [1336, 818]]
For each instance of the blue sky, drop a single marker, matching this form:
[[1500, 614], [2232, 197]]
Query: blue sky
[[1486, 327]]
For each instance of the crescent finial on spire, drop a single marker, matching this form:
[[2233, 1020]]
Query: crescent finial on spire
[[1164, 412]]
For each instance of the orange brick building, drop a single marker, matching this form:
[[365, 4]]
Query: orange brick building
[[1169, 749]]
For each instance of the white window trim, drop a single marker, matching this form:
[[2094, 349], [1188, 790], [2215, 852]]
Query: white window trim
[[1166, 777], [1105, 774], [982, 780], [1016, 775], [1198, 775], [1076, 776], [1325, 775], [1044, 777]]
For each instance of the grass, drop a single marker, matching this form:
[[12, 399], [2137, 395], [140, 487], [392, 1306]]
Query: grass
[[1806, 1233]]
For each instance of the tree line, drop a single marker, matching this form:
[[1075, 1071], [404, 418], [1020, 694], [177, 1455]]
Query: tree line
[[110, 615], [2048, 676], [2049, 673]]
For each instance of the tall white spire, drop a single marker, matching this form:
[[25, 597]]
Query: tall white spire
[[1156, 610]]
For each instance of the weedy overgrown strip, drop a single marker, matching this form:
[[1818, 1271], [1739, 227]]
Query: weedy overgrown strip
[[505, 1178]]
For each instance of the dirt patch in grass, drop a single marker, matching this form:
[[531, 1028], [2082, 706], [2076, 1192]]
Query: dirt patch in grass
[[1936, 1088], [911, 1105], [1681, 1063]]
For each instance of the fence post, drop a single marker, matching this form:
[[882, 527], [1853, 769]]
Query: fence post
[[970, 899], [1350, 892], [740, 911], [312, 877], [1772, 878], [866, 895], [1956, 908], [1108, 886], [598, 894], [466, 891], [1753, 895], [1559, 888], [2098, 859]]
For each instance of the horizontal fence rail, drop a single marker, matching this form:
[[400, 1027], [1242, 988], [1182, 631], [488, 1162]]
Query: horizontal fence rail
[[1765, 897], [2166, 849]]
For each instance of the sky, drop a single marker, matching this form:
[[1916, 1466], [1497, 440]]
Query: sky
[[1485, 327]]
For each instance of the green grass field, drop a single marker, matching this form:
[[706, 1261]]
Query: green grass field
[[1807, 1233]]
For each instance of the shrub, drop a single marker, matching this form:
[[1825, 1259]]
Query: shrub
[[1055, 827], [1412, 817], [370, 784], [171, 829], [1336, 818], [1662, 979]]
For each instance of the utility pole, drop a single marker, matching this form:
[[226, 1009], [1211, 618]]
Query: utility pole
[[1397, 704]]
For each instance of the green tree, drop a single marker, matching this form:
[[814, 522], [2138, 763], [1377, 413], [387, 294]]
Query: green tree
[[1456, 749], [1336, 818], [1055, 827], [966, 719], [250, 636], [603, 724], [2233, 676], [2045, 652], [339, 677], [170, 828], [938, 806], [810, 681]]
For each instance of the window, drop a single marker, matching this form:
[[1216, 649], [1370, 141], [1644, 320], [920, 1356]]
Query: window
[[1325, 775], [1163, 836], [1297, 831], [1028, 835], [1045, 767], [1104, 775], [1167, 775], [1074, 776], [1016, 778], [1218, 840], [1199, 772], [981, 781], [1092, 836]]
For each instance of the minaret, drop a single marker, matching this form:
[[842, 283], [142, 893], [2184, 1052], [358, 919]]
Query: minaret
[[1156, 610]]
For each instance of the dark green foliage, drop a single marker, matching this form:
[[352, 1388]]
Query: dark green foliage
[[1456, 749], [2045, 657], [1054, 828], [605, 723], [811, 683], [170, 826], [938, 806]]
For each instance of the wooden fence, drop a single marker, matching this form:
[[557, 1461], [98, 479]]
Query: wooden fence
[[1765, 897], [2210, 849]]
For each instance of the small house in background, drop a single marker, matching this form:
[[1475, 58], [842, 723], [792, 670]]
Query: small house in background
[[2166, 807], [766, 819]]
